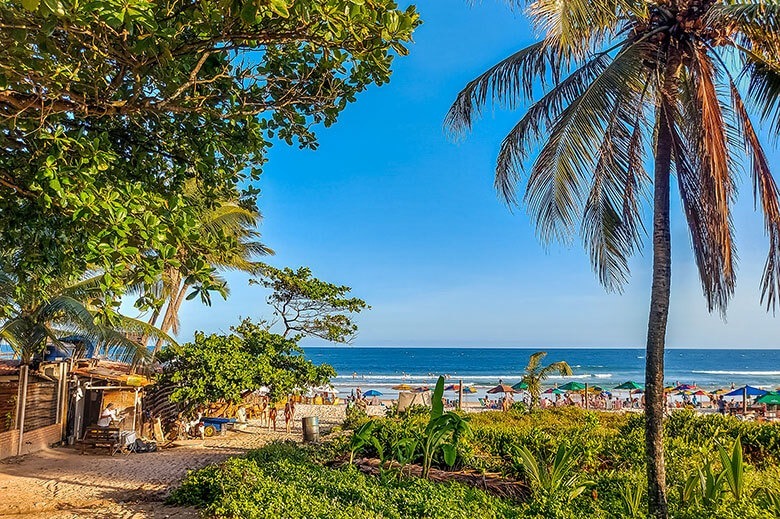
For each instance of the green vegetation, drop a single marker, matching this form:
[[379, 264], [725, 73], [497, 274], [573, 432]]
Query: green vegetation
[[309, 307], [221, 367], [283, 480], [534, 374], [576, 463], [127, 128], [614, 85]]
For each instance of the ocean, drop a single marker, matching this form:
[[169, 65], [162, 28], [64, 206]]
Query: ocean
[[380, 368]]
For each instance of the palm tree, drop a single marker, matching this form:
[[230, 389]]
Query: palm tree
[[70, 308], [228, 240], [625, 81], [535, 374]]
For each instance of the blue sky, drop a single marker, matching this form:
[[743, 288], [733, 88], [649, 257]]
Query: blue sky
[[392, 207]]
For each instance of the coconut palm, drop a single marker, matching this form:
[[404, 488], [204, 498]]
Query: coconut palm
[[535, 374], [624, 81], [71, 308], [228, 240]]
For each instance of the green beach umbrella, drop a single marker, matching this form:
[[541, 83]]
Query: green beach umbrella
[[572, 386], [630, 385], [520, 386], [769, 399], [554, 391]]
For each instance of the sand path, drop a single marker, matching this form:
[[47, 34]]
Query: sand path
[[62, 483]]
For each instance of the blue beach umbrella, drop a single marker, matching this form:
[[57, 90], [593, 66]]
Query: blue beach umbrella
[[751, 391], [372, 392]]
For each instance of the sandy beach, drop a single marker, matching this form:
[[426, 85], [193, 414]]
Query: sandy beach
[[62, 483]]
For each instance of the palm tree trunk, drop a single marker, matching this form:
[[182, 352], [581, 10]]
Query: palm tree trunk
[[174, 304], [656, 327]]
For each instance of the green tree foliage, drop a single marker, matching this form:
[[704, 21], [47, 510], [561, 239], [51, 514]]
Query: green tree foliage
[[535, 373], [309, 307], [215, 367], [108, 106]]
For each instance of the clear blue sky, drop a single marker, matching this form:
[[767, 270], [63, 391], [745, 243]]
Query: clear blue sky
[[410, 220]]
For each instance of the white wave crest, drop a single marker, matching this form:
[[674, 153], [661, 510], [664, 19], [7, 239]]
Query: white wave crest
[[751, 373]]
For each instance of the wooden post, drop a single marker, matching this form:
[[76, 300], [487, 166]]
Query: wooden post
[[460, 394], [22, 405], [586, 396], [744, 401]]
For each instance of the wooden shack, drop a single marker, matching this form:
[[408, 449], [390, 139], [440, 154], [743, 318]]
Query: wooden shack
[[32, 406], [96, 383]]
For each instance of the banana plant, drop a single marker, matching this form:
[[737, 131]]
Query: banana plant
[[363, 436], [557, 479], [442, 432], [734, 468]]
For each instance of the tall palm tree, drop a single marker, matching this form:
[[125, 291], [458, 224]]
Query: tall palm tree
[[228, 239], [624, 81], [534, 374]]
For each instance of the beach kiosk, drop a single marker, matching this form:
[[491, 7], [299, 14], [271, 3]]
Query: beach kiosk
[[94, 384]]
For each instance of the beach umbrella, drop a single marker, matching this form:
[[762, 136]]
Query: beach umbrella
[[630, 385], [637, 391], [684, 387], [501, 388], [452, 387], [747, 390], [554, 391], [467, 390], [769, 399], [721, 391], [421, 389], [372, 392], [572, 386], [520, 386], [402, 387]]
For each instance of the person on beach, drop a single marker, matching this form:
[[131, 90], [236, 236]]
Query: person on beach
[[288, 415], [358, 393], [721, 405], [272, 412], [108, 415]]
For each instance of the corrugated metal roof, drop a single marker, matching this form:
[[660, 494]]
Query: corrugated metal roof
[[111, 371]]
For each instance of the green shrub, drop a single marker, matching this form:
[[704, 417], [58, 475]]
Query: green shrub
[[280, 480]]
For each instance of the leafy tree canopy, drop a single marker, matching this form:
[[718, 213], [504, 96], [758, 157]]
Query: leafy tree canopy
[[108, 106], [310, 307], [215, 367]]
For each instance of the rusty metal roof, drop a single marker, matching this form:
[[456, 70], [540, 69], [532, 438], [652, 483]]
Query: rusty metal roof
[[9, 367], [111, 371]]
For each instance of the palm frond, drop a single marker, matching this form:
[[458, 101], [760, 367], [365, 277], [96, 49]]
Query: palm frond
[[765, 190], [556, 189], [534, 361], [705, 180], [763, 71], [510, 81], [523, 138], [611, 224], [576, 27]]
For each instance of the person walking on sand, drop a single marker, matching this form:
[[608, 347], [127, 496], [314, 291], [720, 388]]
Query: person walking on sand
[[272, 417], [289, 411]]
